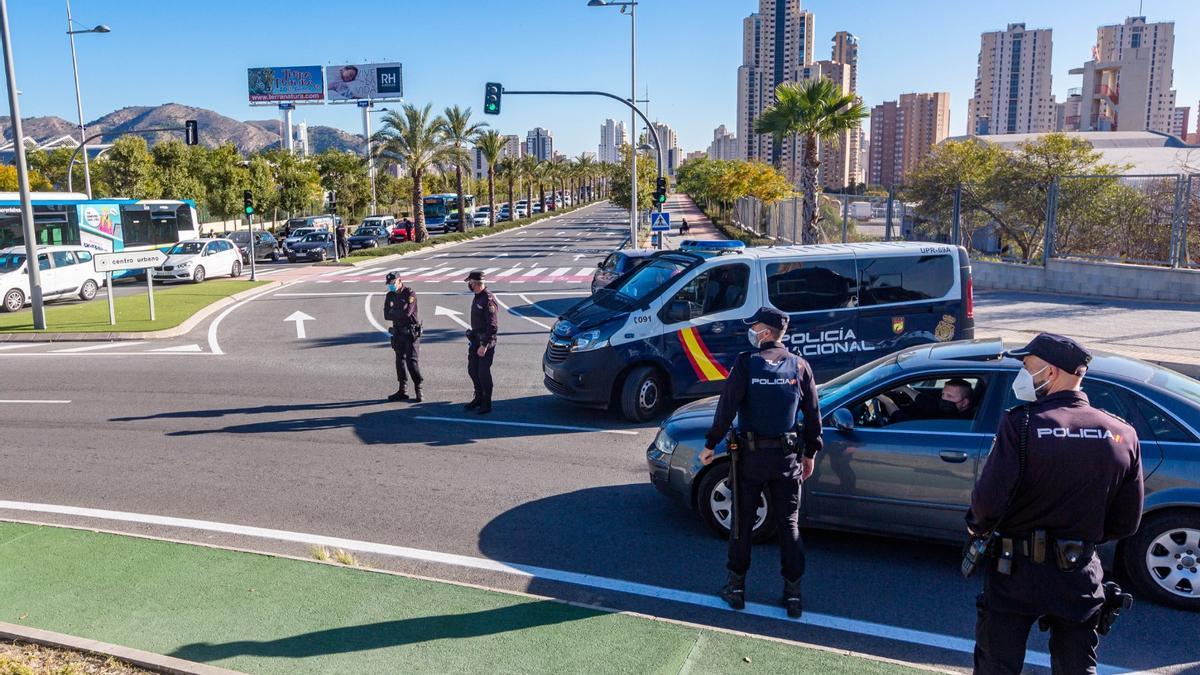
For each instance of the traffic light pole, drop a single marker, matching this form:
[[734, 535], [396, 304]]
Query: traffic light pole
[[253, 255]]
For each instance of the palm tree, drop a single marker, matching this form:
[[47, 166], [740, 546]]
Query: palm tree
[[528, 174], [458, 130], [541, 174], [587, 170], [412, 140], [818, 111], [490, 144], [509, 168]]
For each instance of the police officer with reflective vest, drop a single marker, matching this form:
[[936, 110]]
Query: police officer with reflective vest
[[481, 337], [400, 307], [1062, 478], [767, 388]]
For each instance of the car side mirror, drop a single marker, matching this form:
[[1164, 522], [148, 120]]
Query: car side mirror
[[843, 420]]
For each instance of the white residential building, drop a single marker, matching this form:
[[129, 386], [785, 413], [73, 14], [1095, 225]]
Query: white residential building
[[1012, 83]]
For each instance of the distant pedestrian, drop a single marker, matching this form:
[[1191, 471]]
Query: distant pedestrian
[[485, 324], [683, 227], [408, 229], [341, 239], [400, 307]]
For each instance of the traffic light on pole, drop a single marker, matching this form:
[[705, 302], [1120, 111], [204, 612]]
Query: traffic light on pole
[[248, 198], [491, 98], [191, 132], [660, 192]]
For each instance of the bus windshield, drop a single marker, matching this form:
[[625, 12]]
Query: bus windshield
[[11, 262], [648, 278]]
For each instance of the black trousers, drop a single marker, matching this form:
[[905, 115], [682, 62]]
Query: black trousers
[[408, 352], [480, 370], [778, 475]]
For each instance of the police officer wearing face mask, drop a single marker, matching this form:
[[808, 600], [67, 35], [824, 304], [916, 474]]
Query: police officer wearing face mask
[[1081, 486], [481, 350], [400, 307], [766, 389]]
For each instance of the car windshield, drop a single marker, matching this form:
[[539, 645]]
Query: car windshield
[[186, 248], [303, 232], [11, 262], [240, 237], [649, 278], [315, 236], [366, 232], [858, 378]]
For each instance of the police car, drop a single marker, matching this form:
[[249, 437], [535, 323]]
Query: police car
[[671, 328]]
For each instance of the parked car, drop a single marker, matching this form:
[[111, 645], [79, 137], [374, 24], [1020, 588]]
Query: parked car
[[452, 224], [481, 215], [324, 222], [401, 233], [386, 223], [368, 237], [618, 263], [315, 246], [265, 245], [523, 208], [537, 207], [912, 475], [297, 236], [504, 213], [198, 259], [65, 271]]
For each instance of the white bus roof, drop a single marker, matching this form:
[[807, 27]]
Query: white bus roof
[[885, 248]]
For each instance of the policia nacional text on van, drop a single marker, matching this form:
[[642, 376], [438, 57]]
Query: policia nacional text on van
[[672, 327]]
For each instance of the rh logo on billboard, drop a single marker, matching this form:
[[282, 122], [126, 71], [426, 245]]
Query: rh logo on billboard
[[387, 80]]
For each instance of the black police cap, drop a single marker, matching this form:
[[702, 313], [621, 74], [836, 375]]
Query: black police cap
[[1057, 350], [477, 275], [769, 316], [391, 276]]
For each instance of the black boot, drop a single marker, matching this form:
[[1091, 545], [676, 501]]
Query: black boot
[[485, 405], [400, 395], [792, 599], [474, 403], [734, 592], [417, 394]]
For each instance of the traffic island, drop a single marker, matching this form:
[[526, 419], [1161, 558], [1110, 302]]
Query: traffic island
[[263, 614]]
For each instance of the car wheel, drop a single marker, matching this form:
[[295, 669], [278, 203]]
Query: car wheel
[[198, 276], [237, 270], [643, 394], [14, 300], [291, 258], [320, 255], [88, 290], [1163, 559], [716, 505], [274, 256]]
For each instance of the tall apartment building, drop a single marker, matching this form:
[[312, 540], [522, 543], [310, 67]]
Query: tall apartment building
[[1179, 122], [724, 144], [539, 142], [777, 42], [903, 134], [1012, 84], [513, 147], [612, 137], [1067, 113], [672, 154], [1127, 84]]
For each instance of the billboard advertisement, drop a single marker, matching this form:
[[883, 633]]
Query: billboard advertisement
[[289, 83], [364, 82]]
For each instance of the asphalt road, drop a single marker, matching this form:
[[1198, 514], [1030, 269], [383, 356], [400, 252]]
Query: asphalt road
[[245, 422]]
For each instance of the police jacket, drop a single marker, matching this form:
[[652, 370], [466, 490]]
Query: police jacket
[[766, 388], [400, 307], [485, 322], [1083, 476]]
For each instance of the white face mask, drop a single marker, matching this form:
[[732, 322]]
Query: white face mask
[[1023, 387], [753, 337]]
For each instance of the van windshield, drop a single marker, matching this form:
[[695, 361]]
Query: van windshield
[[648, 279]]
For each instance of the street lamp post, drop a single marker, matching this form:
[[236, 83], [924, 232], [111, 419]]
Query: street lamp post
[[633, 175], [71, 33]]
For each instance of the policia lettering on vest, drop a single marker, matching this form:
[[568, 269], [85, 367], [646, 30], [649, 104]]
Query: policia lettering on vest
[[768, 389], [1062, 478]]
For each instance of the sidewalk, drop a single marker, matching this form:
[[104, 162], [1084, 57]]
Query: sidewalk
[[680, 207], [261, 614]]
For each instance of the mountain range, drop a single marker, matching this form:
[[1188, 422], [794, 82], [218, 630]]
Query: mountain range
[[215, 128]]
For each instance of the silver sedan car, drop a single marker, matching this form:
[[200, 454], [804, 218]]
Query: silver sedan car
[[896, 463]]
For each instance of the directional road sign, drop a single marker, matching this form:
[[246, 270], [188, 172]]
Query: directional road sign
[[660, 221], [128, 260]]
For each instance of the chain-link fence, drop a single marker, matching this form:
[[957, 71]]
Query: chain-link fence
[[842, 218]]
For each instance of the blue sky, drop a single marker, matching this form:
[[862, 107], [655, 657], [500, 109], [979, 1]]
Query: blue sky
[[196, 53]]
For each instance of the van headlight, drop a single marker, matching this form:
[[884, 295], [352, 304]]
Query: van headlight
[[664, 443], [589, 340]]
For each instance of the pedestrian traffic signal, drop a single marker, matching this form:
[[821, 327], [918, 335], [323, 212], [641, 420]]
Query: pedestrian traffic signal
[[660, 191], [248, 198], [191, 132], [491, 98]]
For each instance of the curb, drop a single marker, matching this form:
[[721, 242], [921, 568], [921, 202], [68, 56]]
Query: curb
[[137, 657]]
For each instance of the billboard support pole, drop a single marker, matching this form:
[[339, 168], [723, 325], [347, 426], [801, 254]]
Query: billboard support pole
[[287, 124], [370, 160]]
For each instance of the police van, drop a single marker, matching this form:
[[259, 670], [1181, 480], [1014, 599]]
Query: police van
[[671, 328]]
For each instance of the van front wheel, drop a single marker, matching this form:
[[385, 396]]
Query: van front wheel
[[643, 394]]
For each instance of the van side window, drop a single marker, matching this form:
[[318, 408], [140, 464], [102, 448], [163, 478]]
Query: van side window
[[904, 278], [716, 290], [43, 262], [812, 285], [83, 256], [63, 258]]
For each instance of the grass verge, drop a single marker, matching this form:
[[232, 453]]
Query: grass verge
[[173, 305], [260, 614], [19, 658]]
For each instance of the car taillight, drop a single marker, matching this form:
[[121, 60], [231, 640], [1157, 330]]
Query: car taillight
[[970, 298]]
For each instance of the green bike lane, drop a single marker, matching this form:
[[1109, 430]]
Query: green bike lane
[[262, 614]]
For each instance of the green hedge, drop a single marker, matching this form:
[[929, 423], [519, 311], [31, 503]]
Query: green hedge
[[474, 233]]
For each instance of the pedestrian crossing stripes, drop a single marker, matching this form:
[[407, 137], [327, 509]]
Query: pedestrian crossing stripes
[[516, 275]]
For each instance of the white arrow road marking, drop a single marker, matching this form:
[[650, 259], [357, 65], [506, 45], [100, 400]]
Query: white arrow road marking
[[94, 348], [581, 255], [537, 306], [179, 349], [300, 317], [453, 314], [510, 310], [18, 400], [368, 308], [502, 255]]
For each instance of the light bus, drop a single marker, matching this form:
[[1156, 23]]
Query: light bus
[[442, 207], [102, 225]]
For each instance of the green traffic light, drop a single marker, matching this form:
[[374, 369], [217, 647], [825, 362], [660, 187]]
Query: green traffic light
[[249, 210]]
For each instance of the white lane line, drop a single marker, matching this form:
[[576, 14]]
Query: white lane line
[[586, 272], [509, 272], [93, 355], [364, 271], [96, 348], [213, 345], [267, 273], [710, 601], [510, 310], [30, 400], [457, 273], [371, 315], [554, 276], [322, 295], [182, 349], [527, 425], [538, 307], [22, 345]]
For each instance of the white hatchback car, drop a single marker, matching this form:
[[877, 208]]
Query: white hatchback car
[[198, 259], [64, 271]]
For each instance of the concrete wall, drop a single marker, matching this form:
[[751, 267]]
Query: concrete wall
[[1078, 277]]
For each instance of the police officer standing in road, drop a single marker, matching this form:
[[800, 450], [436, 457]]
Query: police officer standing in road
[[340, 236], [400, 307], [485, 324], [766, 389], [1062, 478]]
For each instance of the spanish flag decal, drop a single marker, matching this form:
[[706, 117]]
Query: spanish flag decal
[[707, 368]]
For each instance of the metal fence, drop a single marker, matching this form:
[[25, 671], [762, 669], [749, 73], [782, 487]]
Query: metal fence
[[1135, 219]]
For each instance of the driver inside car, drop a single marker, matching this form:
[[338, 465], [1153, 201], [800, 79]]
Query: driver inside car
[[956, 402]]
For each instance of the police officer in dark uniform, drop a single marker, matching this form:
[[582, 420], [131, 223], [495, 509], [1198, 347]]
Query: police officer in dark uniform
[[400, 307], [340, 238], [485, 325], [1081, 486], [766, 389]]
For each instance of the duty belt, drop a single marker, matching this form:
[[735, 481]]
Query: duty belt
[[752, 441], [1068, 554]]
